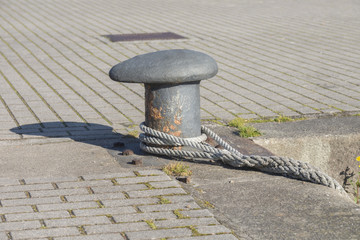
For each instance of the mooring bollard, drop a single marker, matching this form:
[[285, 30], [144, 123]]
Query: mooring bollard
[[172, 108], [172, 87]]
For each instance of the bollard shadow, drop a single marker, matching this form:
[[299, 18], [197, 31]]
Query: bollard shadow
[[95, 134], [89, 133]]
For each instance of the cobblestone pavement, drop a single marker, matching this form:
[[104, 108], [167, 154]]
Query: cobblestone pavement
[[130, 205], [292, 58]]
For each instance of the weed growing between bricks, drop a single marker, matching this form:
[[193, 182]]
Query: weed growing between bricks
[[101, 206]]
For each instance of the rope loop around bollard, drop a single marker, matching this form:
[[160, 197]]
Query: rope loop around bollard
[[152, 141]]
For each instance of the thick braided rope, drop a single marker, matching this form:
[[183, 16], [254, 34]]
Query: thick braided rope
[[281, 165]]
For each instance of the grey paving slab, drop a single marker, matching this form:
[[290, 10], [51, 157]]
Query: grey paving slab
[[269, 52]]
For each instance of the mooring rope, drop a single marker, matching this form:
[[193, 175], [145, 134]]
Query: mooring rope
[[153, 140]]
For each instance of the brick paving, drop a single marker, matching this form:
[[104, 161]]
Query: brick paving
[[132, 205], [292, 58], [295, 58]]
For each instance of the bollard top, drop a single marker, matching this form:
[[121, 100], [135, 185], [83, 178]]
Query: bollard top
[[168, 66]]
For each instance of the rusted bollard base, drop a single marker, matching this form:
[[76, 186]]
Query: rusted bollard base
[[174, 108]]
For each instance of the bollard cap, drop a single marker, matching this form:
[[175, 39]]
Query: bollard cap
[[168, 66]]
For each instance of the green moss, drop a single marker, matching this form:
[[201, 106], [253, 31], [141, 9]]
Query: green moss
[[207, 204], [151, 224], [194, 231], [148, 185], [244, 130], [179, 215], [177, 169], [163, 200]]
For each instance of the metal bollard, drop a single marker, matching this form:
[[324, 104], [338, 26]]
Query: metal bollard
[[172, 87]]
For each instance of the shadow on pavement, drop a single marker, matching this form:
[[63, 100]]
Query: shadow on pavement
[[91, 133]]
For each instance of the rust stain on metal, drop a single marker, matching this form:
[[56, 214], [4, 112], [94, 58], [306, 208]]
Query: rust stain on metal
[[177, 119], [166, 129], [156, 113], [172, 127], [176, 134]]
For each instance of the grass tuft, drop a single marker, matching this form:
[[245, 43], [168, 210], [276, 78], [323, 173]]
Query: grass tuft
[[244, 130], [177, 169]]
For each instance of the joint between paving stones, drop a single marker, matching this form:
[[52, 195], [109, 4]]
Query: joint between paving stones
[[81, 229], [103, 117], [9, 111], [91, 64], [100, 204], [27, 194], [63, 199], [137, 209], [111, 218], [8, 234], [55, 186], [71, 213], [22, 182], [126, 194], [124, 235], [81, 179], [114, 182], [34, 208], [43, 225]]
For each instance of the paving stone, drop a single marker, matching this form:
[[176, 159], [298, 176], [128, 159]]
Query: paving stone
[[130, 202], [156, 192], [79, 221], [12, 195], [211, 237], [23, 225], [37, 215], [50, 180], [119, 188], [84, 184], [39, 233], [104, 211], [180, 198], [172, 223], [167, 207], [122, 181], [117, 228], [59, 192], [167, 184], [135, 217], [109, 176], [21, 188], [157, 234], [65, 206], [30, 201], [95, 197], [104, 236], [17, 209]]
